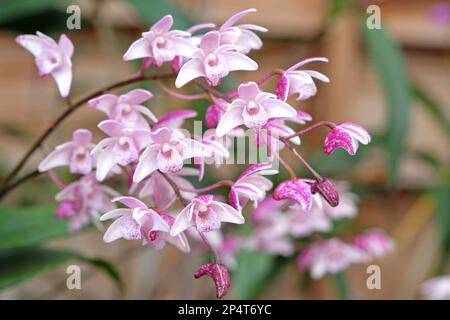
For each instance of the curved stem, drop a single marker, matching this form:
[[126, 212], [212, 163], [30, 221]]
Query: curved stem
[[288, 168], [167, 206], [67, 113], [211, 90], [222, 183], [175, 188], [181, 95], [316, 175], [329, 124], [14, 185]]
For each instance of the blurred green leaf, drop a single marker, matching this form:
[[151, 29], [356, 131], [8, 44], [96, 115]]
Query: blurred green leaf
[[19, 264], [340, 282], [255, 270], [389, 64], [152, 11], [442, 197], [17, 9], [338, 6], [29, 226], [432, 106]]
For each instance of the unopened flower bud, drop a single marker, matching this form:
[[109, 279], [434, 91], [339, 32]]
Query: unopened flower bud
[[327, 190]]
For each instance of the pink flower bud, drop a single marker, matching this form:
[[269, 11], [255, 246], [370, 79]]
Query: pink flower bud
[[327, 190], [66, 209], [213, 115], [219, 273]]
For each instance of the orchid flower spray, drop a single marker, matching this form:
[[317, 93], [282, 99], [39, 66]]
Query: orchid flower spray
[[160, 166]]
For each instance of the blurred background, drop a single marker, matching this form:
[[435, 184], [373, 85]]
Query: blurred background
[[394, 81]]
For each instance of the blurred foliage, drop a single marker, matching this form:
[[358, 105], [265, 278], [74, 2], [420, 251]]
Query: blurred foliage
[[389, 63], [152, 11], [432, 106], [19, 264], [254, 273], [23, 229], [31, 15], [28, 226]]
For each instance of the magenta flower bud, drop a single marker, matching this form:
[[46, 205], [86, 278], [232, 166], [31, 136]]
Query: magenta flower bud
[[213, 115], [219, 273], [66, 209], [327, 190]]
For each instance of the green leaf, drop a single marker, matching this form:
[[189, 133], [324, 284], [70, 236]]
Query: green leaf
[[19, 264], [340, 282], [17, 9], [29, 226], [432, 106], [441, 196], [152, 11], [255, 270], [389, 64]]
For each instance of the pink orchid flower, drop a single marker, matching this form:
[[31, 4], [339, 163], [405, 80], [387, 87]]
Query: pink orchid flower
[[303, 224], [206, 215], [327, 256], [76, 154], [167, 153], [294, 81], [140, 222], [121, 148], [126, 108], [253, 108], [51, 58], [220, 275], [437, 288], [251, 185], [218, 149], [161, 44], [161, 192], [375, 243], [272, 233], [241, 35], [213, 61], [346, 135], [83, 201]]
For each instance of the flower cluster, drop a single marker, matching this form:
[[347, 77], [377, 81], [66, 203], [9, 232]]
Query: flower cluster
[[159, 160]]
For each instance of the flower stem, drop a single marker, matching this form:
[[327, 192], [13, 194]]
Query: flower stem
[[316, 175], [288, 168], [180, 95], [175, 188], [221, 183], [329, 124], [4, 185]]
